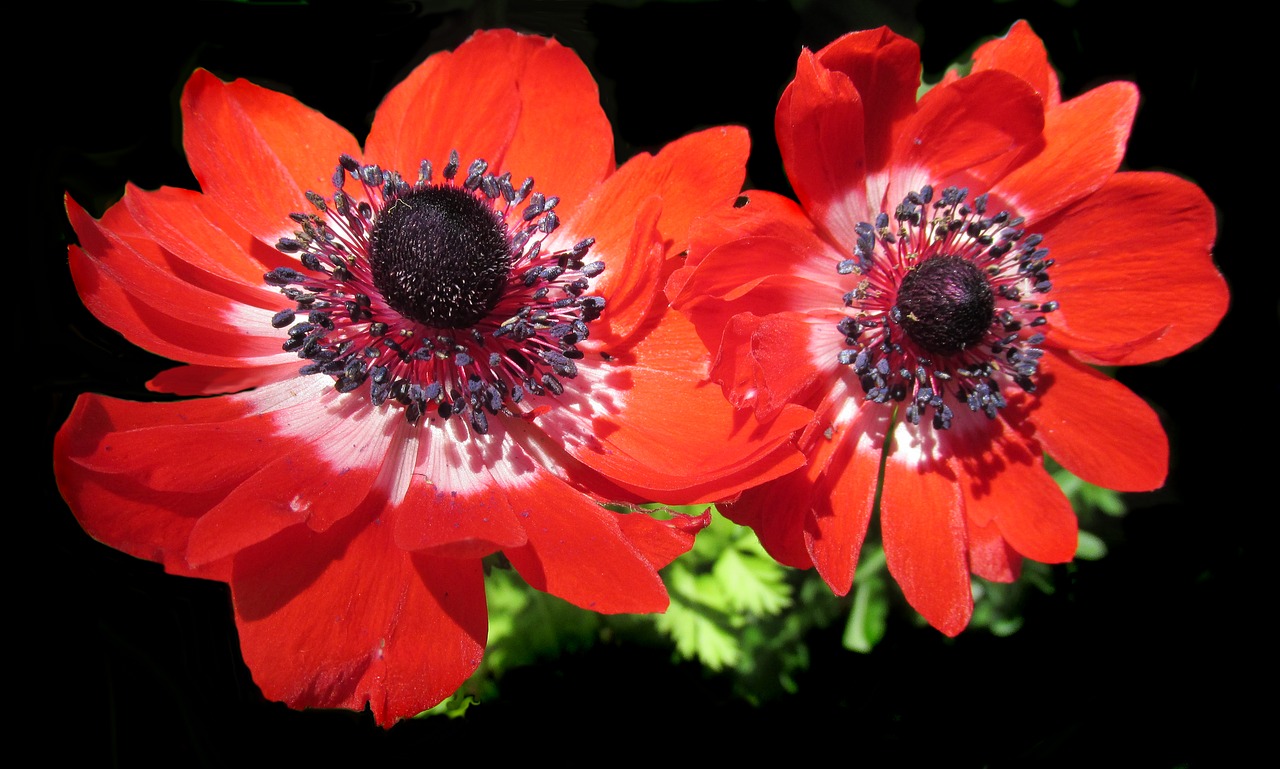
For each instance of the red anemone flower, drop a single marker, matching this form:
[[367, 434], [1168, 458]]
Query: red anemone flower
[[908, 301], [484, 361]]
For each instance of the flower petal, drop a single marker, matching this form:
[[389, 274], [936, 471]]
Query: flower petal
[[560, 118], [662, 541], [772, 358], [1096, 428], [819, 124], [1120, 279], [1003, 479], [341, 618], [1085, 140], [514, 116], [656, 398], [922, 522], [849, 461], [117, 274], [990, 557], [206, 247], [976, 119], [884, 67], [752, 259], [256, 152], [213, 380], [121, 509], [1021, 53], [467, 499], [577, 551], [642, 215]]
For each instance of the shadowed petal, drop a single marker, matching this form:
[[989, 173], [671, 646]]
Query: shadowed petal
[[341, 618], [1097, 428]]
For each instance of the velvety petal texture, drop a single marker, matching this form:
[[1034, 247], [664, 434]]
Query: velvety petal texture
[[349, 505], [954, 268]]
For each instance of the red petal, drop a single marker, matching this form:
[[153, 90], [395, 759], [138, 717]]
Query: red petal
[[1021, 53], [1004, 480], [510, 115], [974, 120], [206, 247], [344, 617], [1085, 141], [1096, 428], [777, 513], [474, 518], [922, 521], [256, 152], [819, 124], [560, 118], [662, 541], [760, 258], [885, 69], [119, 277], [297, 487], [210, 380], [578, 552], [769, 358], [628, 242], [695, 175], [664, 401], [1120, 279], [642, 214], [990, 557], [121, 509], [849, 461]]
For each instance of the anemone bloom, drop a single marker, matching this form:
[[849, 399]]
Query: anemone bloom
[[483, 363], [907, 300]]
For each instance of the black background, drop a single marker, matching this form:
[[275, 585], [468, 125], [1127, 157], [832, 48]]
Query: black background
[[1143, 658]]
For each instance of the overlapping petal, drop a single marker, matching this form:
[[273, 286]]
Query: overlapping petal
[[352, 537], [1132, 281]]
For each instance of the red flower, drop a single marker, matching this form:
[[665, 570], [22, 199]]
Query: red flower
[[484, 363], [947, 362]]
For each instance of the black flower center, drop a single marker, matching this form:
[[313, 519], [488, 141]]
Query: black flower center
[[947, 308], [440, 256], [449, 297], [947, 304]]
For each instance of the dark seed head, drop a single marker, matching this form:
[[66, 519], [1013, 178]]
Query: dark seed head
[[440, 256], [947, 304]]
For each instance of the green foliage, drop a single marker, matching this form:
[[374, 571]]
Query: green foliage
[[741, 614], [724, 585], [868, 619]]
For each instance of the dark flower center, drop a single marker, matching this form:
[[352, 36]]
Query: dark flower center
[[945, 310], [440, 256], [946, 304], [445, 297]]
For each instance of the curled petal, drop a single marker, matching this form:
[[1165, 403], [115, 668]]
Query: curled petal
[[820, 134]]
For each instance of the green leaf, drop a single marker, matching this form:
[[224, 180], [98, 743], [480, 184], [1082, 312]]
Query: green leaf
[[868, 619], [753, 585], [1089, 547]]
